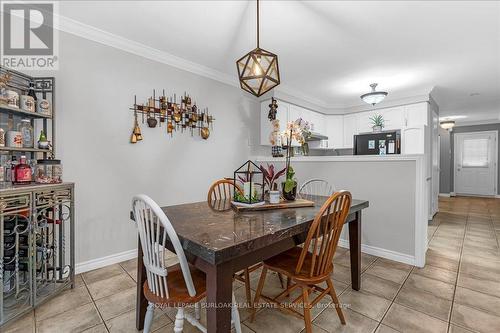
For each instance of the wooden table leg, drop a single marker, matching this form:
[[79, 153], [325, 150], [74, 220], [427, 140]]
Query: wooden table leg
[[355, 250], [141, 303], [219, 298]]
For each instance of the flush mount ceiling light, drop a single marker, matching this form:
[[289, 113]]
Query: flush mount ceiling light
[[447, 124], [258, 69], [374, 97]]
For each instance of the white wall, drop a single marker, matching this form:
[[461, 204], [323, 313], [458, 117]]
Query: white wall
[[95, 86]]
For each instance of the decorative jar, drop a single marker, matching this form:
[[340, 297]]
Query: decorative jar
[[48, 171], [12, 98], [27, 133]]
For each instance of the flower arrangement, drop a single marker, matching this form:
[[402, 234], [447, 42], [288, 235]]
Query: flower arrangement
[[305, 130], [297, 130]]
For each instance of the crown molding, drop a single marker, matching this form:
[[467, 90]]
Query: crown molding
[[112, 40], [106, 38], [390, 103], [460, 123]]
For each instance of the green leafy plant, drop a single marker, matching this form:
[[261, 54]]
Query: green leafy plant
[[377, 120], [290, 182], [239, 197]]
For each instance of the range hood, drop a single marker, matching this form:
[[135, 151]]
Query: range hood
[[317, 137]]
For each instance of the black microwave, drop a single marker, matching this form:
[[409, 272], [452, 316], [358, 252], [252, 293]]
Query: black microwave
[[379, 143]]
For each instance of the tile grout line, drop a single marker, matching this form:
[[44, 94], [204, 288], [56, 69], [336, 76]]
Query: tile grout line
[[95, 305], [458, 271], [394, 298]]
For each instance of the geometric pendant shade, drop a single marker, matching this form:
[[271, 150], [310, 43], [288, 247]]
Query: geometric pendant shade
[[258, 71]]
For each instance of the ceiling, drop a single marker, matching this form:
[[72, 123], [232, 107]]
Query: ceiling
[[330, 51]]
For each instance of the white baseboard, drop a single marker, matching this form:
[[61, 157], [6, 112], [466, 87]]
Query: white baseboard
[[86, 266], [497, 196], [445, 195], [383, 253], [453, 194]]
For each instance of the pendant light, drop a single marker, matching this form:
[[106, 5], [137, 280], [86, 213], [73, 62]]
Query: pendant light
[[258, 70], [374, 97]]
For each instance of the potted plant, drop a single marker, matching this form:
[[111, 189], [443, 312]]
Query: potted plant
[[270, 178], [289, 186], [378, 122]]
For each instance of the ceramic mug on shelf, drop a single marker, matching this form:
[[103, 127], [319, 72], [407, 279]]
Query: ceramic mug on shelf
[[27, 103], [14, 139]]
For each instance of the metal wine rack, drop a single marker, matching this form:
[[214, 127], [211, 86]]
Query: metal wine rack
[[37, 247]]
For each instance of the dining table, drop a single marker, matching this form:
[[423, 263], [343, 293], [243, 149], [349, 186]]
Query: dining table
[[221, 241]]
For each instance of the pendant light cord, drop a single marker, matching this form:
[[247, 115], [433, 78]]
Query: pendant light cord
[[257, 23]]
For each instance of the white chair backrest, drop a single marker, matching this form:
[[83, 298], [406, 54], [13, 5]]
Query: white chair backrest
[[317, 187], [150, 217]]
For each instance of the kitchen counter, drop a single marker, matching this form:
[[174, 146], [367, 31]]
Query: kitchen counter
[[341, 158], [397, 188]]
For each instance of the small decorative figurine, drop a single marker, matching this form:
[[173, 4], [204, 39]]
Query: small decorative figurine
[[43, 143], [273, 109]]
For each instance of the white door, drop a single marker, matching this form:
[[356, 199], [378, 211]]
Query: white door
[[476, 163]]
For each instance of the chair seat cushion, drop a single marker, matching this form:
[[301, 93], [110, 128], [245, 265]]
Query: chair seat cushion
[[178, 293], [286, 263]]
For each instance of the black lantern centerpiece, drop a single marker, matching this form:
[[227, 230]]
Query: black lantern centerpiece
[[252, 180]]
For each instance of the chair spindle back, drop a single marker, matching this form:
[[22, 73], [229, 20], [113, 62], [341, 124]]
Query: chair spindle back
[[324, 234], [154, 227], [317, 187], [222, 189]]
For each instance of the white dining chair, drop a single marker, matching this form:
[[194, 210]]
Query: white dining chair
[[177, 286], [317, 186]]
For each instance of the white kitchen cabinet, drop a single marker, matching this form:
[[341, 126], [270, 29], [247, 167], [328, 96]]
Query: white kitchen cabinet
[[295, 112], [416, 114], [394, 118], [265, 124], [413, 140], [318, 122], [364, 124], [334, 129], [350, 129]]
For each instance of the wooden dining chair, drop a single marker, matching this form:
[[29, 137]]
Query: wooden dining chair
[[177, 286], [308, 269], [317, 186], [222, 190]]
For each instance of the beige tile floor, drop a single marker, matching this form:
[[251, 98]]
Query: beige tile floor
[[457, 291]]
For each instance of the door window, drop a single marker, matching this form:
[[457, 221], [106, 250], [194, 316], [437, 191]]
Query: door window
[[476, 153]]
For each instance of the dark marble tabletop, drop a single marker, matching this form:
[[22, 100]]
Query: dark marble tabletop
[[220, 234]]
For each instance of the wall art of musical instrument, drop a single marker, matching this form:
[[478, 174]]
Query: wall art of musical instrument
[[164, 112]]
